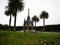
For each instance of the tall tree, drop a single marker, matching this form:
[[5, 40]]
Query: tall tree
[[8, 13], [35, 19], [44, 15], [15, 5]]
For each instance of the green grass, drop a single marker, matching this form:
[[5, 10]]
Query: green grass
[[19, 38]]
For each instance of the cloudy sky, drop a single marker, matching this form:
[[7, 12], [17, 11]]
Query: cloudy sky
[[36, 7]]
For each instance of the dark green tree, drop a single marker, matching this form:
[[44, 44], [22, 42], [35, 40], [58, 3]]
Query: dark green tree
[[15, 6], [35, 19], [8, 13], [44, 15]]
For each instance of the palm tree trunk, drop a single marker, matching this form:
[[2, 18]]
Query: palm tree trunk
[[43, 24], [15, 23], [10, 22], [15, 19], [35, 26]]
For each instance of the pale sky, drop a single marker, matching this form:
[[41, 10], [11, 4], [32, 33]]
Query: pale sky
[[36, 7]]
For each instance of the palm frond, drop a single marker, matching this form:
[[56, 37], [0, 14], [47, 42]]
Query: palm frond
[[44, 14]]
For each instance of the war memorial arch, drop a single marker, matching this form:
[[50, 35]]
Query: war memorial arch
[[28, 23]]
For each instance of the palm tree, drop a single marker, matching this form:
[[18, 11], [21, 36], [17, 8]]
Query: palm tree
[[15, 5], [35, 19], [44, 15], [8, 13]]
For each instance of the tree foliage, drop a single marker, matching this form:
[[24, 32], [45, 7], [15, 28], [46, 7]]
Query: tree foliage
[[44, 14], [35, 18]]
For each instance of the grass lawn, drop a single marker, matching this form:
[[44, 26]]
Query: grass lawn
[[19, 38]]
